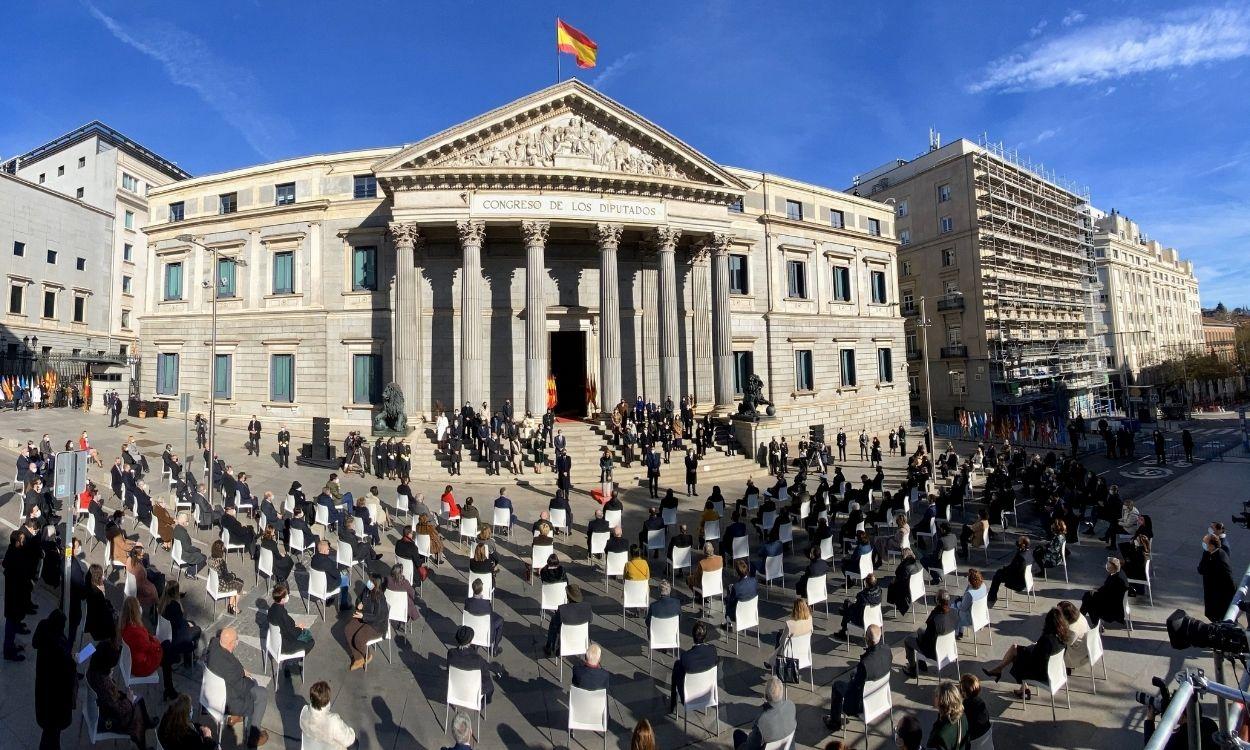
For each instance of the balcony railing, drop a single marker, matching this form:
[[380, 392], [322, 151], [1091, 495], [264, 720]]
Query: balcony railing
[[913, 354], [951, 302], [910, 311], [957, 351]]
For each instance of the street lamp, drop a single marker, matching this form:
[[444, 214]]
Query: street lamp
[[923, 323], [212, 357]]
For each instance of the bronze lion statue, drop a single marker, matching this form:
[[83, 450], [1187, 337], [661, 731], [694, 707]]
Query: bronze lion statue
[[392, 418]]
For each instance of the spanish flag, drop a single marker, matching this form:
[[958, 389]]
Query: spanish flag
[[574, 42]]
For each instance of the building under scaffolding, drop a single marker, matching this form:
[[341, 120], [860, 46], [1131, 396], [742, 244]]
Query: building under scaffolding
[[1001, 252]]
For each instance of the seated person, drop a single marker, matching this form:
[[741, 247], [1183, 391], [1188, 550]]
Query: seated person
[[1107, 601], [899, 591], [1031, 662], [1011, 575], [700, 657], [941, 621], [637, 569], [975, 591], [744, 589], [853, 611], [848, 695]]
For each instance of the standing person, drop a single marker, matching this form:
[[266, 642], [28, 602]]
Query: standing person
[[56, 679], [115, 411], [321, 726], [692, 472], [253, 437], [1160, 448], [18, 586], [284, 448], [653, 473], [841, 440], [863, 445], [1218, 585], [1187, 441], [244, 696], [201, 432]]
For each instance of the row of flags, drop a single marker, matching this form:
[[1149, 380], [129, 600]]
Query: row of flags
[[1015, 427], [46, 381]]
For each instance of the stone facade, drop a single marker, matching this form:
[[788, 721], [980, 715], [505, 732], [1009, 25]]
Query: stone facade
[[656, 269]]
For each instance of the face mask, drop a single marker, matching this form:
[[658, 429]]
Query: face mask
[[369, 585]]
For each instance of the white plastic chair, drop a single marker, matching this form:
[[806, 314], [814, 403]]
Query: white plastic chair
[[130, 586], [785, 743], [656, 540], [213, 700], [321, 515], [320, 590], [668, 516], [296, 545], [878, 701], [481, 627], [225, 539], [213, 586], [827, 552], [949, 566], [946, 650], [799, 648], [468, 531], [663, 633], [1093, 648], [700, 692], [91, 720], [274, 656], [553, 595], [1029, 588], [613, 517], [741, 547], [464, 690], [343, 555], [1056, 680], [502, 519], [980, 616], [598, 543], [818, 591], [125, 666], [560, 520], [637, 596], [1147, 582], [774, 570], [768, 521], [164, 630], [683, 559], [862, 572], [873, 615], [614, 566], [785, 533], [241, 506], [397, 613], [488, 584], [574, 640], [369, 644], [288, 505], [264, 566], [746, 617], [711, 532], [538, 557], [711, 584], [588, 711]]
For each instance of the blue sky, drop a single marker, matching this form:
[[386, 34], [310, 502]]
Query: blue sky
[[1146, 103]]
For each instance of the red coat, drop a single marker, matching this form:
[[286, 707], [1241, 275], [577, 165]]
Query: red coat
[[145, 650], [454, 511]]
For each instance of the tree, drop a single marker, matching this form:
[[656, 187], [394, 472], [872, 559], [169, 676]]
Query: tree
[[1221, 311]]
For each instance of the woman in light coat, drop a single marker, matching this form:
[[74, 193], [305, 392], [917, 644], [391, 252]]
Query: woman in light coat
[[1076, 655]]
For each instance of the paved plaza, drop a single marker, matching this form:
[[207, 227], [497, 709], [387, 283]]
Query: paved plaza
[[399, 704]]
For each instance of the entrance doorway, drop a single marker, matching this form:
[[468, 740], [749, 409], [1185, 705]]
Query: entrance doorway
[[568, 364]]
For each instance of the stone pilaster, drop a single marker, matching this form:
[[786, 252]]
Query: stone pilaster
[[406, 316], [700, 325], [722, 327], [670, 356], [609, 239], [472, 234], [534, 234]]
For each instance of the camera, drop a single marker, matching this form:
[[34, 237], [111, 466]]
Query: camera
[[1187, 632], [1158, 701]]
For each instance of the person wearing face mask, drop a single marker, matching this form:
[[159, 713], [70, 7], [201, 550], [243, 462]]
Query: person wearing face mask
[[1216, 529], [369, 621], [1218, 585], [1107, 601]]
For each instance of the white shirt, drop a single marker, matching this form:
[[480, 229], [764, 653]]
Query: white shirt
[[324, 730]]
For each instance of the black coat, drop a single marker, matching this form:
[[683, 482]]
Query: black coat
[[872, 666], [938, 623], [1032, 661], [101, 621], [56, 674], [17, 581], [1218, 585]]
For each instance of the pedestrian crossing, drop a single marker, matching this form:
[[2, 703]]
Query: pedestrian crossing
[[1214, 431]]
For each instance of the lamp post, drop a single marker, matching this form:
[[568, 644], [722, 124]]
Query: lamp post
[[215, 288], [923, 323]]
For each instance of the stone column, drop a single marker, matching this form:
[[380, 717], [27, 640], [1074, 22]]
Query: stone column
[[670, 357], [535, 236], [701, 380], [472, 233], [405, 321], [722, 327], [609, 238]]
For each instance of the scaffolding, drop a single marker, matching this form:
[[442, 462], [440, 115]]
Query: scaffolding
[[1044, 330]]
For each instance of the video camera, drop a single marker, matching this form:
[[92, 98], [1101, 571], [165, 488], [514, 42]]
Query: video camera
[[1243, 519], [1187, 632], [1157, 701]]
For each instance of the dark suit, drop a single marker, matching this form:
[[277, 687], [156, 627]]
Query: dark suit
[[284, 449], [571, 613], [468, 659], [925, 641], [479, 606], [587, 677], [253, 437], [698, 658], [662, 608], [281, 619], [848, 695], [1107, 601], [243, 696]]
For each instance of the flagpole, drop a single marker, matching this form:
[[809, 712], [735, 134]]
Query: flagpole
[[558, 74]]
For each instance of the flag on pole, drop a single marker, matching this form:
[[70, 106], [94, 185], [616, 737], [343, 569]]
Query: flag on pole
[[574, 42]]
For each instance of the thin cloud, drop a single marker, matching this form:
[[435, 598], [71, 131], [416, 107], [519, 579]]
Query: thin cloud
[[1121, 48], [1037, 30], [618, 66], [1045, 135], [1073, 18], [189, 62]]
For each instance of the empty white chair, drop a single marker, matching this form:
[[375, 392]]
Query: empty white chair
[[574, 640], [860, 572], [1093, 648], [212, 585], [946, 650], [818, 591], [872, 616], [773, 571], [482, 629], [711, 532], [124, 664], [746, 617], [560, 520], [980, 615], [682, 559], [468, 531], [615, 566], [656, 540], [588, 711], [1138, 581], [320, 590], [878, 701], [274, 655], [464, 690], [700, 692], [1029, 588], [1056, 680], [637, 596], [553, 595], [663, 633]]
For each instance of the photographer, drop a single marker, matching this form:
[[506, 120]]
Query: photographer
[[1156, 705]]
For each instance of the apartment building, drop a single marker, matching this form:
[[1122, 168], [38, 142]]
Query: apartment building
[[100, 167], [999, 255], [1152, 309]]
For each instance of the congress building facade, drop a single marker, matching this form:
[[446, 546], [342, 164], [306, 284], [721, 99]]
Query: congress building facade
[[561, 236]]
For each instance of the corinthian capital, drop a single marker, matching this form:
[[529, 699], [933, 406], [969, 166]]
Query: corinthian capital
[[665, 237], [535, 232], [471, 232], [406, 234], [608, 236], [718, 243]]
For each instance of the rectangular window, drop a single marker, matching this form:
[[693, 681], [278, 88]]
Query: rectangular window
[[744, 366], [837, 219], [129, 220], [282, 378], [127, 283], [82, 162], [125, 319], [60, 171], [803, 376], [910, 342], [176, 211], [166, 374], [81, 264], [846, 359], [738, 274], [364, 269], [794, 210], [366, 379], [913, 385], [227, 203], [880, 294], [19, 249], [947, 225], [841, 284], [284, 272], [944, 193], [227, 272], [364, 186], [796, 278], [128, 252], [42, 177], [908, 301], [284, 194], [948, 257], [906, 268], [173, 281], [79, 193], [80, 308], [129, 183], [955, 335], [221, 375], [52, 257], [874, 227], [736, 206], [49, 303], [885, 366], [904, 237], [901, 208]]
